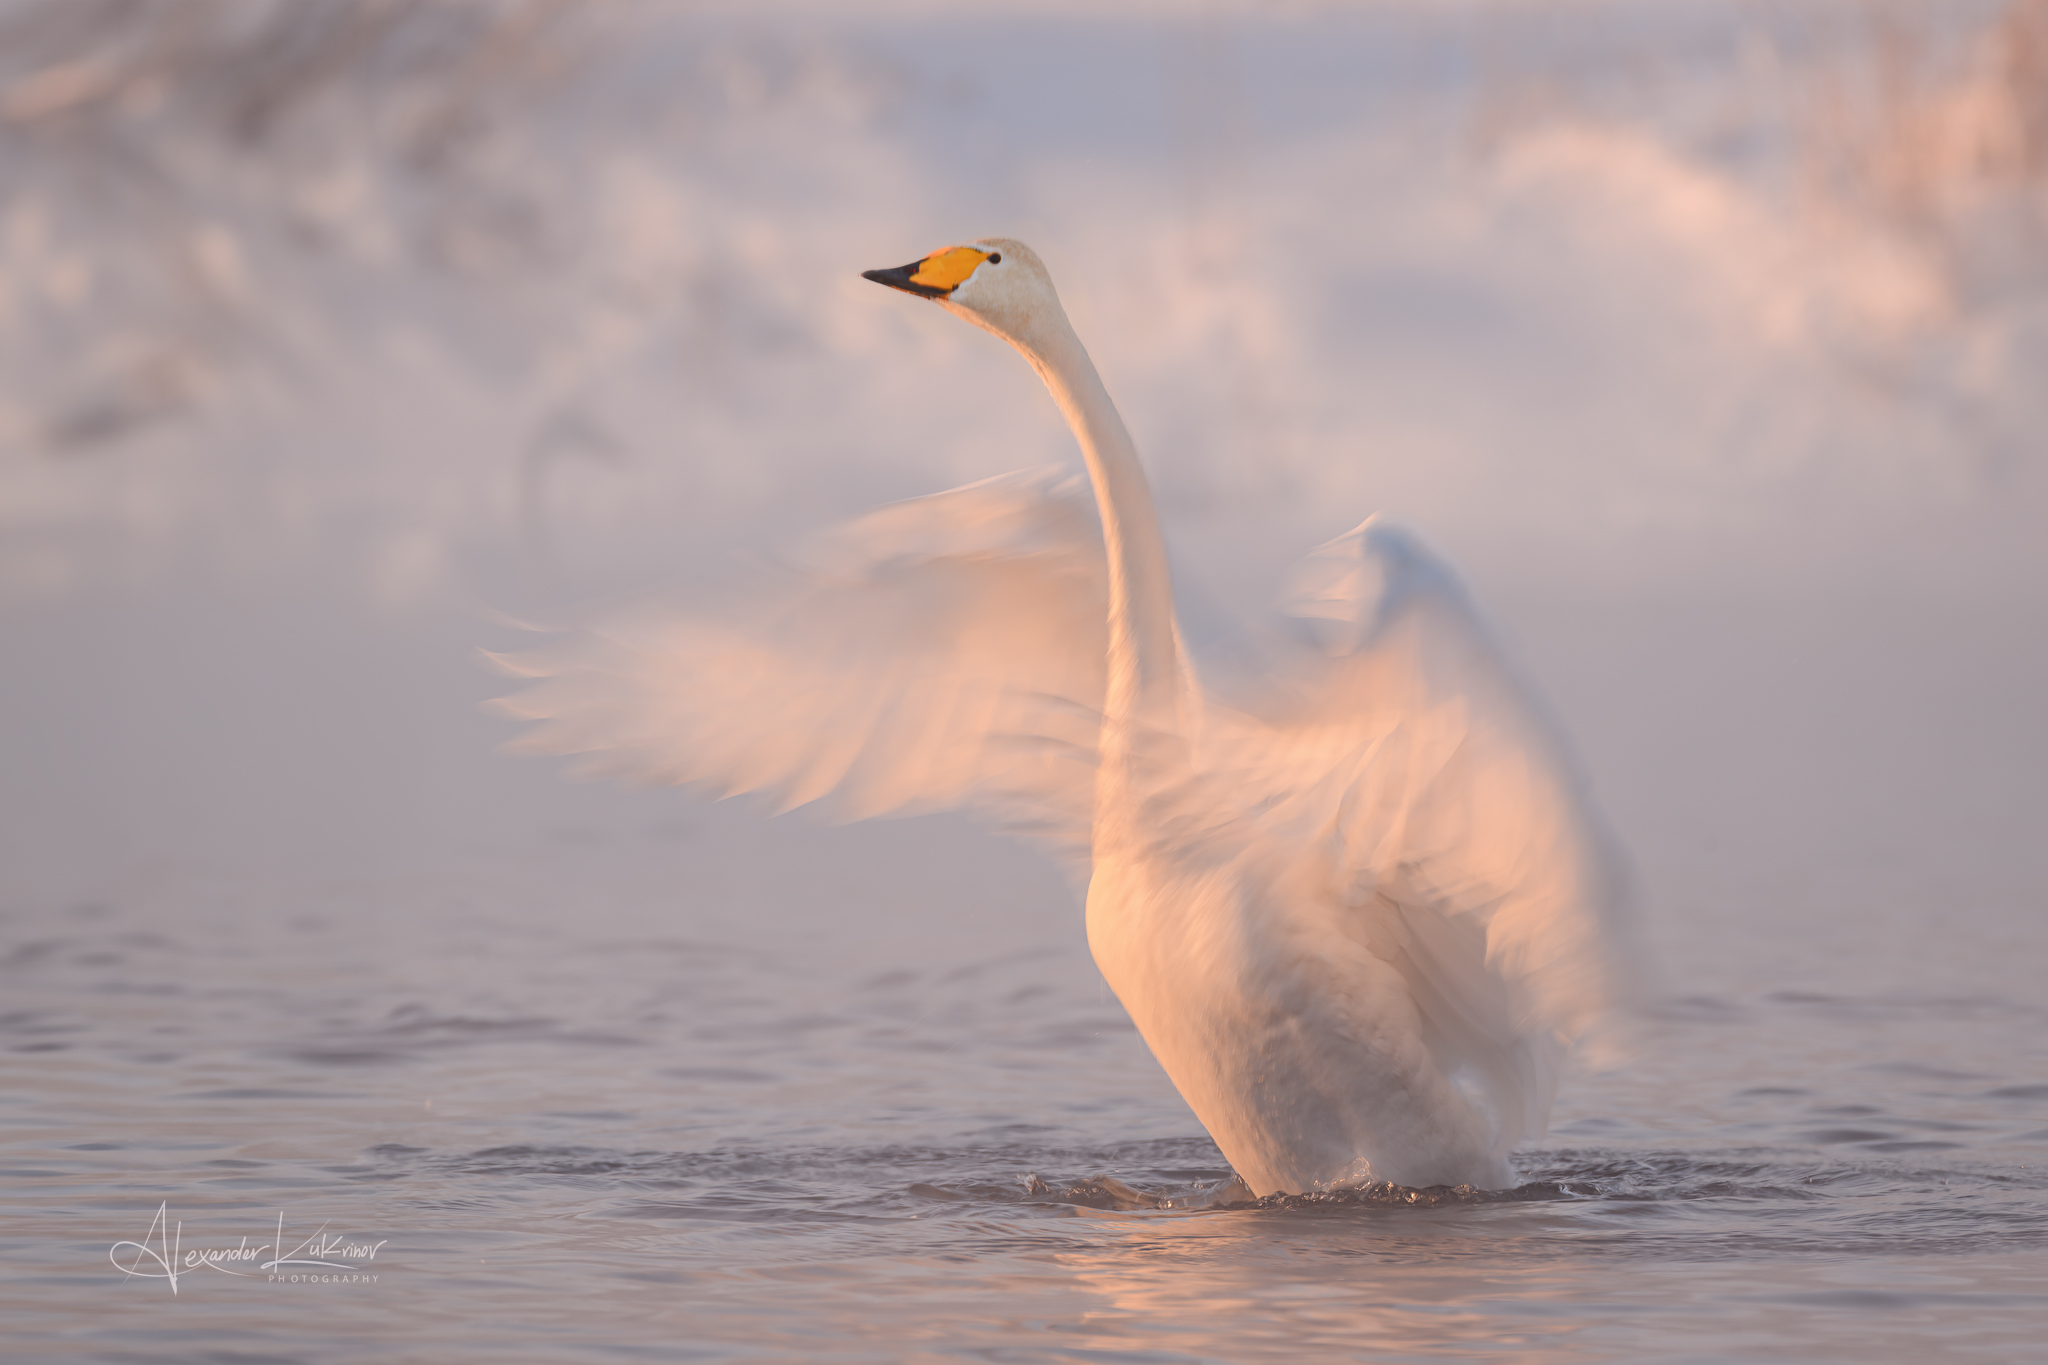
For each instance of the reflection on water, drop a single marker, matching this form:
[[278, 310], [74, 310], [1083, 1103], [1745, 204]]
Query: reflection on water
[[927, 1131]]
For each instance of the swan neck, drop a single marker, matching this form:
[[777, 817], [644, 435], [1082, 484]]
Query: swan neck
[[1144, 657]]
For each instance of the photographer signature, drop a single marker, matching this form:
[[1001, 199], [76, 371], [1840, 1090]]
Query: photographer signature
[[312, 1260]]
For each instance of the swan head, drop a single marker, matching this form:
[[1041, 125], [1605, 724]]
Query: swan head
[[996, 283]]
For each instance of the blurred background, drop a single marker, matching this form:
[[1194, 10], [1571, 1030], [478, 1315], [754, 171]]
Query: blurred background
[[338, 337]]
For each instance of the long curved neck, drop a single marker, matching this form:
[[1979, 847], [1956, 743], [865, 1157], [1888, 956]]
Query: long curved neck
[[1144, 656]]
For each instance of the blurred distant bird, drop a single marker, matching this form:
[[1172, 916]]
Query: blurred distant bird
[[1359, 916]]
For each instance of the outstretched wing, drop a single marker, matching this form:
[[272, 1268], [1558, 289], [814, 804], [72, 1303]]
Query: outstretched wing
[[1463, 846], [942, 652]]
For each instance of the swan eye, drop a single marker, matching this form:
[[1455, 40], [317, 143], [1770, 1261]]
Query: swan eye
[[995, 258]]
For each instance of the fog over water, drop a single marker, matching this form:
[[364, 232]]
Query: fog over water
[[1702, 338]]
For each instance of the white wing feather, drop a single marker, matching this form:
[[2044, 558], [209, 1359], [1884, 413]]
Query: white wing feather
[[942, 652], [1462, 846]]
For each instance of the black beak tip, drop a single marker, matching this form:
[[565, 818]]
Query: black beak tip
[[899, 278]]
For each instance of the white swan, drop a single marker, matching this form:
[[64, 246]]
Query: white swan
[[1358, 919]]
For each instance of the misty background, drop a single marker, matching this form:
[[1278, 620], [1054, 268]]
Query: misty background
[[340, 338]]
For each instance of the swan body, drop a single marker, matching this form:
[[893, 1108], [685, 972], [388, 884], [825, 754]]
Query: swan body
[[1358, 917]]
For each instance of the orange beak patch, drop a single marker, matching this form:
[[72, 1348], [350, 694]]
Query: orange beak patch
[[934, 277]]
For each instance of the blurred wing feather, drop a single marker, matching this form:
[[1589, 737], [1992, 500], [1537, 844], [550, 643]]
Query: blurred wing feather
[[1460, 841], [942, 652]]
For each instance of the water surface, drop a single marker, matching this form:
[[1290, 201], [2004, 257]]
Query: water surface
[[579, 1121]]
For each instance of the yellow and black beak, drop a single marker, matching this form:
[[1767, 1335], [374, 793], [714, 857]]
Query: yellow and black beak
[[934, 277]]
